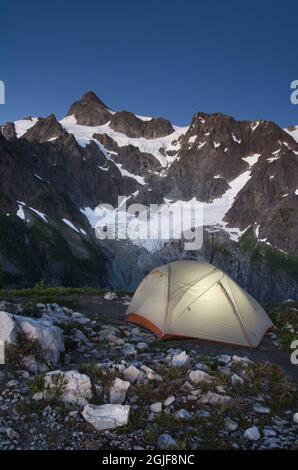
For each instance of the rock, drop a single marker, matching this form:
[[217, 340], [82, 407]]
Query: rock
[[242, 360], [156, 407], [83, 320], [118, 391], [109, 416], [50, 337], [252, 434], [151, 374], [295, 418], [165, 441], [211, 398], [78, 334], [236, 380], [131, 373], [113, 339], [70, 387], [198, 376], [220, 389], [181, 360], [168, 401], [224, 359], [202, 414], [12, 434], [142, 346], [128, 350], [230, 424], [7, 328], [38, 396], [34, 366], [201, 366], [268, 432], [183, 415], [258, 408], [110, 296]]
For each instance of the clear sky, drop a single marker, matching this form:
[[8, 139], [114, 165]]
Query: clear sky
[[164, 58]]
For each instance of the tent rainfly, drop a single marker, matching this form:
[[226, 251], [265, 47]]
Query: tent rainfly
[[190, 299]]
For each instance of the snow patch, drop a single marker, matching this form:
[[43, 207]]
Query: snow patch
[[235, 138], [84, 135], [254, 125], [252, 159], [70, 224], [272, 159], [23, 125], [192, 139], [293, 132]]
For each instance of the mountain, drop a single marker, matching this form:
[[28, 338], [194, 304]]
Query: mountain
[[54, 173]]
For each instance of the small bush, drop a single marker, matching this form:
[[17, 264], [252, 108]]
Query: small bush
[[24, 346]]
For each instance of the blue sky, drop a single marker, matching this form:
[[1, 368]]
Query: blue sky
[[163, 58]]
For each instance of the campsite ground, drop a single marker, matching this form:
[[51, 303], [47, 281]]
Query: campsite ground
[[260, 394], [113, 312]]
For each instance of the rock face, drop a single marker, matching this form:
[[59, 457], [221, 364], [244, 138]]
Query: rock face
[[45, 130], [106, 416], [49, 337], [130, 125], [70, 387], [7, 328], [157, 127]]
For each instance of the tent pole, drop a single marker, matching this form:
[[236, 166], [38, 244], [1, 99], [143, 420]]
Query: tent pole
[[236, 314]]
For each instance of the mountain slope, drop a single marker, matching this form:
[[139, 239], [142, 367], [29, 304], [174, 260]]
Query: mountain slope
[[245, 174]]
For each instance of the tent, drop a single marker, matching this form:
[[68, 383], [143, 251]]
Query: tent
[[191, 299]]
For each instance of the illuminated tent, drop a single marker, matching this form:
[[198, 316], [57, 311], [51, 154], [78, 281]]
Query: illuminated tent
[[190, 299]]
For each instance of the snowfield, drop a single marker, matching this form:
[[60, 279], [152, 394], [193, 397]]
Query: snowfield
[[84, 135]]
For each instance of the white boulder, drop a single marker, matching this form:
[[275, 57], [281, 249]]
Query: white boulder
[[131, 373], [109, 416], [156, 407], [110, 296], [180, 360], [211, 398], [7, 328], [253, 434], [168, 401], [50, 337], [151, 374], [118, 391], [236, 380], [198, 376], [70, 387]]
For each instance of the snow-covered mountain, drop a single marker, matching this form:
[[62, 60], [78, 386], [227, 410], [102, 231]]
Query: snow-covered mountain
[[54, 173]]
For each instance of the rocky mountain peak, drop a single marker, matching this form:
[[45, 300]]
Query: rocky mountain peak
[[91, 96], [127, 123], [46, 129], [90, 110], [132, 126], [8, 131]]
